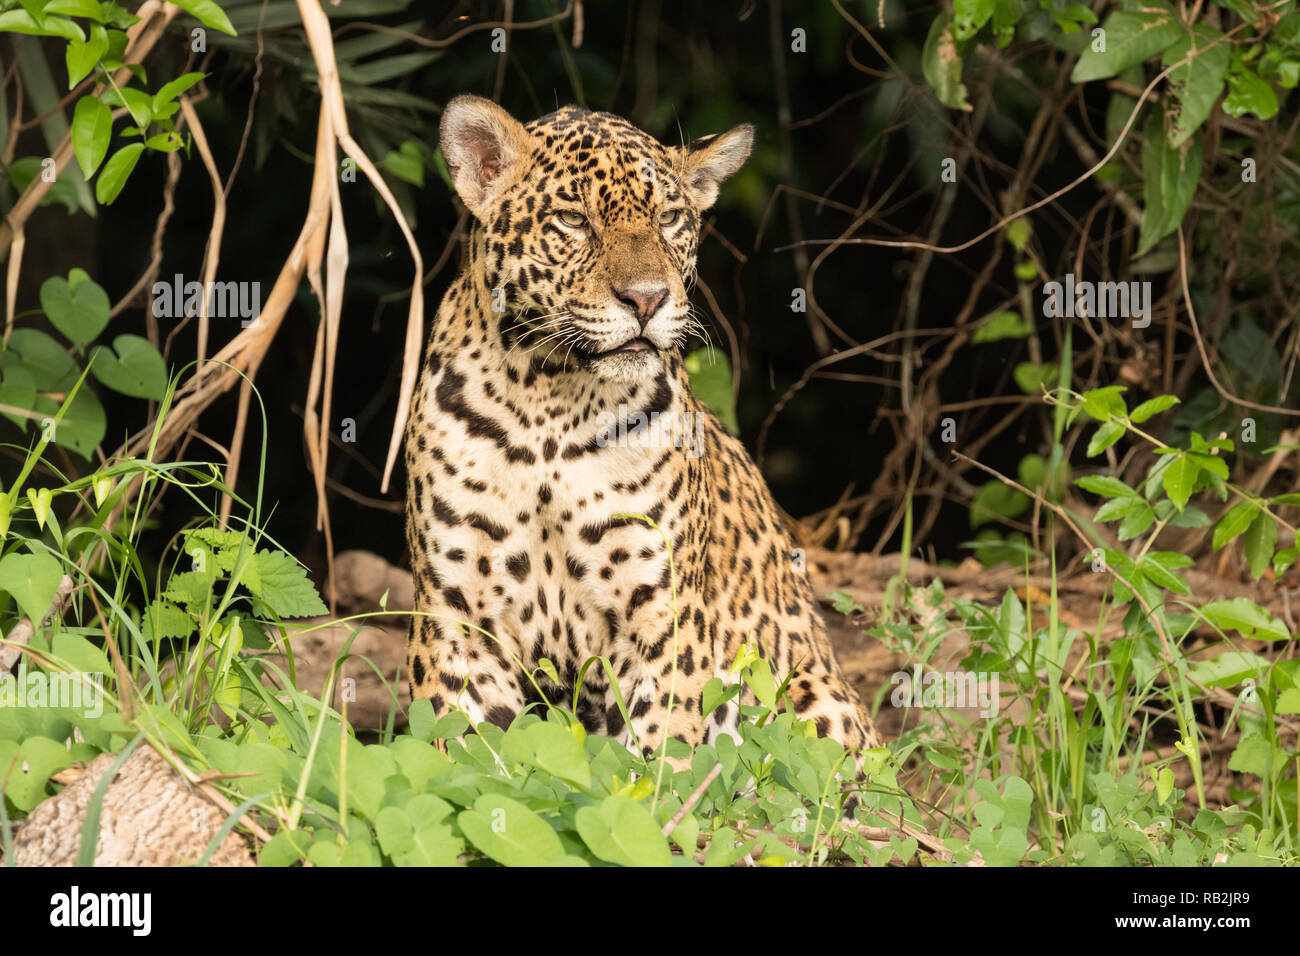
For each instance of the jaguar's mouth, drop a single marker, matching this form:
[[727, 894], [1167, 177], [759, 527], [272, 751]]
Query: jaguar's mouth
[[630, 347]]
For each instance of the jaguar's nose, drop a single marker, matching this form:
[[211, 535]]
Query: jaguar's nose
[[643, 300]]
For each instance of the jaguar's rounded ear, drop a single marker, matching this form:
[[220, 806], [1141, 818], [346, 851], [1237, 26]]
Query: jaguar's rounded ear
[[485, 147], [711, 159]]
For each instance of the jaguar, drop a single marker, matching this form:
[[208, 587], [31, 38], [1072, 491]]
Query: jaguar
[[568, 496]]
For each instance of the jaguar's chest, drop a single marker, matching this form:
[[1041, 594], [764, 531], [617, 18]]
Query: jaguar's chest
[[523, 509]]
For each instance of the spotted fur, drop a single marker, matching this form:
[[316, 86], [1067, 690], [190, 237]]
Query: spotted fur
[[531, 445]]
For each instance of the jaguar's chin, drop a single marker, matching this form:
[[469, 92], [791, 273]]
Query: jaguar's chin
[[634, 361]]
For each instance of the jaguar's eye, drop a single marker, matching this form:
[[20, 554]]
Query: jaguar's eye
[[669, 217], [574, 220]]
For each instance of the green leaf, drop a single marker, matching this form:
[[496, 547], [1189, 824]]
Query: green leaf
[[1161, 576], [20, 21], [1253, 754], [1261, 536], [1152, 406], [1284, 559], [169, 91], [63, 190], [1247, 93], [37, 759], [281, 583], [513, 835], [1197, 84], [83, 424], [31, 580], [941, 64], [80, 313], [1018, 233], [1246, 617], [208, 13], [551, 748], [710, 375], [1233, 523], [1032, 379], [1164, 784], [116, 171], [163, 619], [1003, 325], [1180, 479], [1105, 485], [406, 163], [995, 500], [1105, 403], [1106, 435], [92, 127], [716, 694], [969, 16], [1170, 175], [413, 836], [136, 370], [90, 9], [80, 654], [1229, 669], [1136, 521], [1130, 38], [82, 57], [44, 359], [619, 830], [17, 389]]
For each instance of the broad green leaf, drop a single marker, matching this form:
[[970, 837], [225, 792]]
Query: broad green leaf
[[92, 127], [38, 759], [1130, 39], [1246, 617], [1152, 406], [83, 424], [941, 64], [996, 500], [31, 580], [620, 830], [1105, 485], [1136, 521], [710, 375], [82, 57], [1247, 93], [1106, 435], [1032, 379], [79, 313], [1229, 669], [406, 163], [1260, 538], [281, 583], [136, 369], [44, 359], [90, 9], [169, 91], [1161, 576], [411, 837], [208, 13], [116, 171], [969, 16], [1180, 479], [1105, 403], [1003, 325], [20, 21], [1197, 84], [1170, 175], [163, 619], [513, 835], [551, 748], [1233, 523], [17, 389]]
